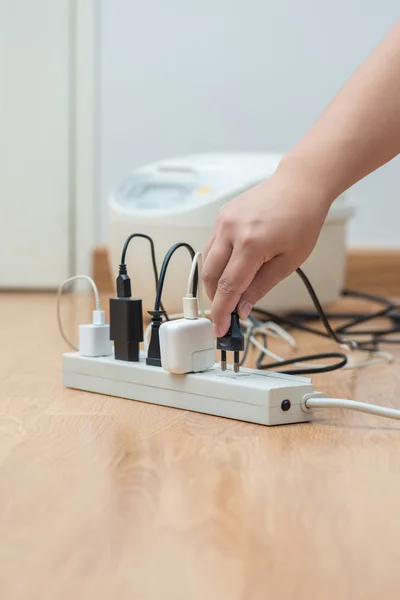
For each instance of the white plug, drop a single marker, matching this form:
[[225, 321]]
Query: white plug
[[187, 346], [94, 338]]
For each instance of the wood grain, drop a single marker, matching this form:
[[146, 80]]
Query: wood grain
[[373, 270], [102, 498]]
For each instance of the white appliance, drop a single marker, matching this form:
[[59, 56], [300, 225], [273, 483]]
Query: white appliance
[[178, 200]]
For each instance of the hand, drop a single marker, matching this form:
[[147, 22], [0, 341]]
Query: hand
[[259, 238]]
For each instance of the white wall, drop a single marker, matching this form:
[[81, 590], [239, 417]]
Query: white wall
[[203, 75], [35, 143]]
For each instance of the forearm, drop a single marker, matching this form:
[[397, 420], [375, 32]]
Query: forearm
[[360, 130]]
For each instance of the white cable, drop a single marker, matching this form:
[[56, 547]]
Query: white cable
[[269, 328], [276, 331], [59, 293], [375, 357], [372, 409], [196, 262], [192, 306]]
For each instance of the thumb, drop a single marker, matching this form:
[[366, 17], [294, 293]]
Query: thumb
[[267, 277]]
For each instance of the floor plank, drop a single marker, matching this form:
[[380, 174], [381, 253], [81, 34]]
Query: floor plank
[[104, 498]]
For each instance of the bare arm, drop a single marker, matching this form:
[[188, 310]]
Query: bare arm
[[263, 235], [360, 130]]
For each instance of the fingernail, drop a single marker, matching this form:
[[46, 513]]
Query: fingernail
[[244, 309]]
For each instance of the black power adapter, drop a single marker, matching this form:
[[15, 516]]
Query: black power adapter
[[126, 313], [126, 320], [232, 341]]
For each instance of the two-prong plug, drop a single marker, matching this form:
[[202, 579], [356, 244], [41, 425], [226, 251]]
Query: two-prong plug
[[232, 341]]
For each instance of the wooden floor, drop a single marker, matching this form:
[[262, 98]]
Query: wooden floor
[[102, 498]]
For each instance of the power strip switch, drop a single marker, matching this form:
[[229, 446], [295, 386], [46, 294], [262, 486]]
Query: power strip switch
[[254, 396]]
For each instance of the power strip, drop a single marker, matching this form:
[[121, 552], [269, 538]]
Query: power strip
[[254, 396]]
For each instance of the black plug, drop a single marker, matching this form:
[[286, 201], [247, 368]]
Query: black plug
[[232, 341], [123, 283], [154, 351], [126, 320]]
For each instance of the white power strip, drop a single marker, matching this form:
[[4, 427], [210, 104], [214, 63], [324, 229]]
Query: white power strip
[[255, 396]]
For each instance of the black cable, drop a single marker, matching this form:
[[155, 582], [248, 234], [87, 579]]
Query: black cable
[[153, 256], [168, 256], [154, 352], [351, 319], [367, 346], [384, 312], [376, 337], [305, 371], [365, 296], [280, 320], [312, 370], [297, 321], [332, 333]]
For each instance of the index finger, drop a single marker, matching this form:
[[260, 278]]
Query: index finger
[[235, 279]]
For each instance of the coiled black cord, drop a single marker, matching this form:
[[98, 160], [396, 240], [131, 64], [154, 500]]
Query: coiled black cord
[[293, 361]]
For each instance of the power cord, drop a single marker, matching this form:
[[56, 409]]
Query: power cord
[[158, 313], [193, 304], [164, 268], [310, 404], [311, 370], [352, 319], [297, 321], [374, 337], [94, 338], [59, 294], [122, 267], [350, 344], [126, 313]]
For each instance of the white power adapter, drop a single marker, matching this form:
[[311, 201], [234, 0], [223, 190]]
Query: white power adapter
[[187, 345], [94, 338]]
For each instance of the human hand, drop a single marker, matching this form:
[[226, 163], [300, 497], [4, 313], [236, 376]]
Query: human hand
[[260, 237]]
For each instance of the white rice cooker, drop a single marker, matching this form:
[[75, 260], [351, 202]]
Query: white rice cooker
[[177, 200]]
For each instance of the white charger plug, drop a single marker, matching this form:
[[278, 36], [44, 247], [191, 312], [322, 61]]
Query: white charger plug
[[94, 338], [187, 345]]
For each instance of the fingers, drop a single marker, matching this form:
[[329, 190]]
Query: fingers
[[208, 247], [215, 261], [234, 280], [268, 276]]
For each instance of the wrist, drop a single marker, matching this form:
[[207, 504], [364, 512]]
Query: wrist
[[308, 175]]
